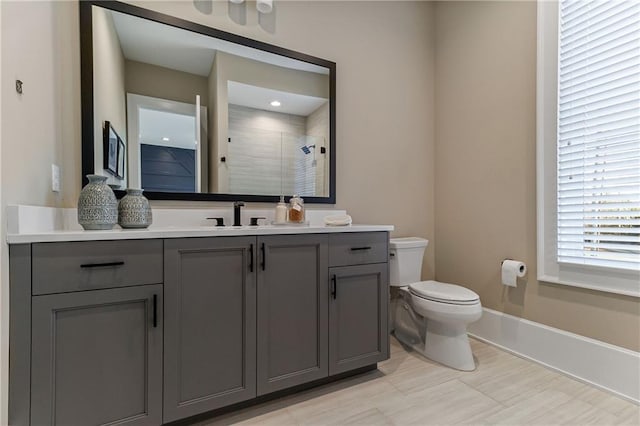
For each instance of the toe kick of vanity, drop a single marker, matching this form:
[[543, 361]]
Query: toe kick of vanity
[[150, 331]]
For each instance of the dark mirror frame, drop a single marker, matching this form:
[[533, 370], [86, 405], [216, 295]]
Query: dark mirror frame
[[86, 74]]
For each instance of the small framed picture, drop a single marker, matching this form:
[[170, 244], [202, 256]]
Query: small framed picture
[[110, 142], [122, 153]]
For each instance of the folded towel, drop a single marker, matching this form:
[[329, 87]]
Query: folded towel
[[337, 220]]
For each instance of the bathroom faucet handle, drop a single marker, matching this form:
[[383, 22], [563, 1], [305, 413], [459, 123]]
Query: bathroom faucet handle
[[219, 220], [254, 221]]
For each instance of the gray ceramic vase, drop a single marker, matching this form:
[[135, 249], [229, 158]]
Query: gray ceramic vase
[[134, 210], [97, 205]]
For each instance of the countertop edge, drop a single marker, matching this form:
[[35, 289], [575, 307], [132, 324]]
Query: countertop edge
[[191, 232]]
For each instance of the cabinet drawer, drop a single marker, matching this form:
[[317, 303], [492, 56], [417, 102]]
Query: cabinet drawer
[[76, 266], [358, 248]]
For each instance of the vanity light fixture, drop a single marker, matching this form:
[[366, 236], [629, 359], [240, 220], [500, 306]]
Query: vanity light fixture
[[275, 103], [264, 6], [165, 139]]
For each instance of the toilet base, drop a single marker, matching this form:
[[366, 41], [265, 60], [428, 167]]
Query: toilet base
[[448, 344], [445, 343]]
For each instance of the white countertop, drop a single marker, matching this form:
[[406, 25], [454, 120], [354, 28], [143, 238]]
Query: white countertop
[[180, 232], [32, 224]]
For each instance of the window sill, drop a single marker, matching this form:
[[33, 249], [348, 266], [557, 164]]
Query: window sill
[[606, 289]]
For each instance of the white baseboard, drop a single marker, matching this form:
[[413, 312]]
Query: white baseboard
[[600, 364]]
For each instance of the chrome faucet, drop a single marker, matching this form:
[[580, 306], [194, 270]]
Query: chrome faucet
[[236, 213]]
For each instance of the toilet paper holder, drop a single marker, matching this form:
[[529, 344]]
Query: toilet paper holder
[[522, 267]]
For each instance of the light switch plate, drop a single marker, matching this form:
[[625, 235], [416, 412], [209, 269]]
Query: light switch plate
[[55, 178]]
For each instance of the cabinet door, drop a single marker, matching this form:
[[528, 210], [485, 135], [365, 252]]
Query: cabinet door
[[97, 357], [358, 316], [210, 324], [292, 311]]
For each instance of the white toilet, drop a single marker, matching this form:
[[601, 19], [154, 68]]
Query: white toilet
[[430, 316]]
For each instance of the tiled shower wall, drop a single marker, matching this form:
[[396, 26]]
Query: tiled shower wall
[[317, 126], [266, 145]]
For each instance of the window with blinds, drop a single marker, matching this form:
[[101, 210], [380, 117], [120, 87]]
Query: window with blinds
[[598, 148]]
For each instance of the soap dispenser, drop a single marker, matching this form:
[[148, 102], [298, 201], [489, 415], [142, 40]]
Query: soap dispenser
[[281, 211], [296, 209]]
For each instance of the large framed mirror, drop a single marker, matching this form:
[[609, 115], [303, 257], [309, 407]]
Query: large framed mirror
[[202, 114]]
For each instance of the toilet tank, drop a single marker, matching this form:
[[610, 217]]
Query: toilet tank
[[405, 263]]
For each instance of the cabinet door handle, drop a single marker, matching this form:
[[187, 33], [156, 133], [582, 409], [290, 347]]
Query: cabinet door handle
[[334, 286], [360, 248], [155, 310], [263, 264], [101, 265], [250, 257]]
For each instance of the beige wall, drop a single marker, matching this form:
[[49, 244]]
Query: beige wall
[[109, 102], [39, 127], [486, 171], [159, 82]]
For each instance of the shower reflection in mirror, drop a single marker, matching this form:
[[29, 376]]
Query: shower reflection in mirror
[[266, 152]]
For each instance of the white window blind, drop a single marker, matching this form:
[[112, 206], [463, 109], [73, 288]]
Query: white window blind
[[598, 191]]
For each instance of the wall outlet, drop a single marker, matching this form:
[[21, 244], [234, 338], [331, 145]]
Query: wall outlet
[[55, 178]]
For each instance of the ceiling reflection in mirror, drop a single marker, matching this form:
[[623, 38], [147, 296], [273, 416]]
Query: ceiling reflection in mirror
[[199, 114]]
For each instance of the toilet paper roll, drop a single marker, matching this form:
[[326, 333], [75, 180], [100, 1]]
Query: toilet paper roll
[[511, 270]]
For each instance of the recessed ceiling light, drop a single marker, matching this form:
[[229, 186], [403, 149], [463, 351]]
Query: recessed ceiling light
[[165, 139], [275, 103]]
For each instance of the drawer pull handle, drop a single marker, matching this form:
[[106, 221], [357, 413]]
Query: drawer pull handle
[[334, 286], [250, 257], [360, 248], [155, 310], [101, 265]]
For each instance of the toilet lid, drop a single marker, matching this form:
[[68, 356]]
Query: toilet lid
[[442, 292]]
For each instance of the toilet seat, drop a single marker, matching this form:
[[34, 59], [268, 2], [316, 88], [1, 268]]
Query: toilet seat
[[444, 293]]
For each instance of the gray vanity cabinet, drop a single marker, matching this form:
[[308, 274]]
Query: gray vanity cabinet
[[152, 331], [210, 324], [96, 357], [358, 317], [359, 300], [292, 310]]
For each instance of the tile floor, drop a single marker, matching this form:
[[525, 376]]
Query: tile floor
[[409, 390]]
